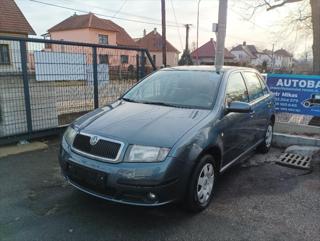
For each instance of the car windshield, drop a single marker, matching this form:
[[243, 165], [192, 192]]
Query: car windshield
[[177, 88]]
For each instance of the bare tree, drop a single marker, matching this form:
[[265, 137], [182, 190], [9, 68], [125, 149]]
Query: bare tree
[[306, 19]]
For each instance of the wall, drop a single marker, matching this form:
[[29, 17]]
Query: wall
[[85, 35], [172, 58], [91, 36], [14, 50], [261, 58], [241, 56]]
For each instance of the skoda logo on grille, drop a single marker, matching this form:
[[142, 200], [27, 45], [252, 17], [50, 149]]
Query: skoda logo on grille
[[94, 140]]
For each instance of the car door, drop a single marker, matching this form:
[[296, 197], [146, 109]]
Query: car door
[[260, 101], [236, 126]]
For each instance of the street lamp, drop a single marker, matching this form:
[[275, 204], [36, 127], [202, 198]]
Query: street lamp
[[197, 53]]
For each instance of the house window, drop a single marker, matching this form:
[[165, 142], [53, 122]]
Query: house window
[[124, 59], [103, 39], [4, 54], [154, 59], [103, 59]]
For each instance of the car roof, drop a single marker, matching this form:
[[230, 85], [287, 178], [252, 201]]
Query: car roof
[[210, 68]]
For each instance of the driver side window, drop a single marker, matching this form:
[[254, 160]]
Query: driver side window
[[236, 89]]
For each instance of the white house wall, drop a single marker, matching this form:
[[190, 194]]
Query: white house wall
[[241, 56], [15, 57]]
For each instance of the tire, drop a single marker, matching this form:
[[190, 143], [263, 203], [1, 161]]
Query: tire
[[265, 146], [201, 188]]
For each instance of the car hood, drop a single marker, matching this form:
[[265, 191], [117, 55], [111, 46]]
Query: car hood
[[143, 124]]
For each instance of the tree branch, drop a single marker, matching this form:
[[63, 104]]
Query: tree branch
[[270, 7]]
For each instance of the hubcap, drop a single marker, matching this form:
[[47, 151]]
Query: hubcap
[[269, 136], [205, 183]]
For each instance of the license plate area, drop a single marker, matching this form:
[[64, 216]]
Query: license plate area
[[88, 178]]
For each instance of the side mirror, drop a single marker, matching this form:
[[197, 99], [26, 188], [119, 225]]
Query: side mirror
[[239, 107]]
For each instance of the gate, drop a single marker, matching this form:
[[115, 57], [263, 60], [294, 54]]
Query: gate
[[46, 84]]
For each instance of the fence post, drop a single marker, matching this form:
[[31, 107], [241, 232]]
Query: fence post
[[25, 78], [95, 78], [138, 67], [143, 64]]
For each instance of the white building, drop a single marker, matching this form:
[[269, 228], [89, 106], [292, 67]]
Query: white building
[[283, 60], [250, 55]]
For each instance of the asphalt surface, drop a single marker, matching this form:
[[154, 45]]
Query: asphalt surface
[[254, 200]]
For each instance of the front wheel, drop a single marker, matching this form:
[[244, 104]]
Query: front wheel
[[265, 146], [202, 184]]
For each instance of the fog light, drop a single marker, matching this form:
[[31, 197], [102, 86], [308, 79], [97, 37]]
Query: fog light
[[151, 196]]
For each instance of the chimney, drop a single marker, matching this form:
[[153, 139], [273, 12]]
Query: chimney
[[244, 43], [155, 31], [144, 32], [211, 39]]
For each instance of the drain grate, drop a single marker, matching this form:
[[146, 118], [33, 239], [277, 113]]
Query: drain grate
[[294, 160]]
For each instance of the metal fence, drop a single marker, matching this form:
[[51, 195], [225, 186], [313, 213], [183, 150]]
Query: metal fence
[[45, 84]]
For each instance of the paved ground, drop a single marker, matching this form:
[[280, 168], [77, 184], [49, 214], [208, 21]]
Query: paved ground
[[255, 200]]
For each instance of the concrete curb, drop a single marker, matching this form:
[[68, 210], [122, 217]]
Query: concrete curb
[[18, 149], [285, 140]]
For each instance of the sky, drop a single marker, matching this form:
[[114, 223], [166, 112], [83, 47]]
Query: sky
[[263, 30]]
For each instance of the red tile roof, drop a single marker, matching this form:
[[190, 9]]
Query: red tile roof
[[153, 42], [12, 19], [92, 21], [208, 50]]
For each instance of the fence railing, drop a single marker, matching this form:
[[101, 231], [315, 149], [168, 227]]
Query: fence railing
[[45, 84]]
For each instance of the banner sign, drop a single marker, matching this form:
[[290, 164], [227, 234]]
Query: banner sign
[[299, 94]]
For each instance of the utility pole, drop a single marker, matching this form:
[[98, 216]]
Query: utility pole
[[187, 35], [198, 17], [272, 58], [221, 35], [164, 37]]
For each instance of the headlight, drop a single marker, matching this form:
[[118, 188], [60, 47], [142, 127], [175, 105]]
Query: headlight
[[69, 135], [146, 154]]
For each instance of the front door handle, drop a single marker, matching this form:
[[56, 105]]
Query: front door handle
[[252, 113]]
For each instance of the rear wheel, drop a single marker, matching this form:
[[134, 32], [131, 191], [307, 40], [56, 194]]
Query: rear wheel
[[265, 146], [201, 189]]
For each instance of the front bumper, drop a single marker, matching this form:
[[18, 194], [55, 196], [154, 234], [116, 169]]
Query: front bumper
[[141, 184]]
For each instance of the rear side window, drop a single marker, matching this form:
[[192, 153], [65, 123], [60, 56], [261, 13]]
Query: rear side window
[[253, 85], [263, 85], [236, 89]]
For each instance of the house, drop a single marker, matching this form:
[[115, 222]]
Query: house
[[89, 28], [251, 55], [283, 60], [153, 42], [12, 23], [207, 52]]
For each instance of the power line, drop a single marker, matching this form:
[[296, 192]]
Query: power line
[[121, 7], [104, 15], [120, 13], [175, 17]]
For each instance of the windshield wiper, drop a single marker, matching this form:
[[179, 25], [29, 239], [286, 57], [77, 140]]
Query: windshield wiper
[[129, 100], [164, 104]]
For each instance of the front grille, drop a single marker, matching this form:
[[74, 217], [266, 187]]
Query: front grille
[[103, 148]]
